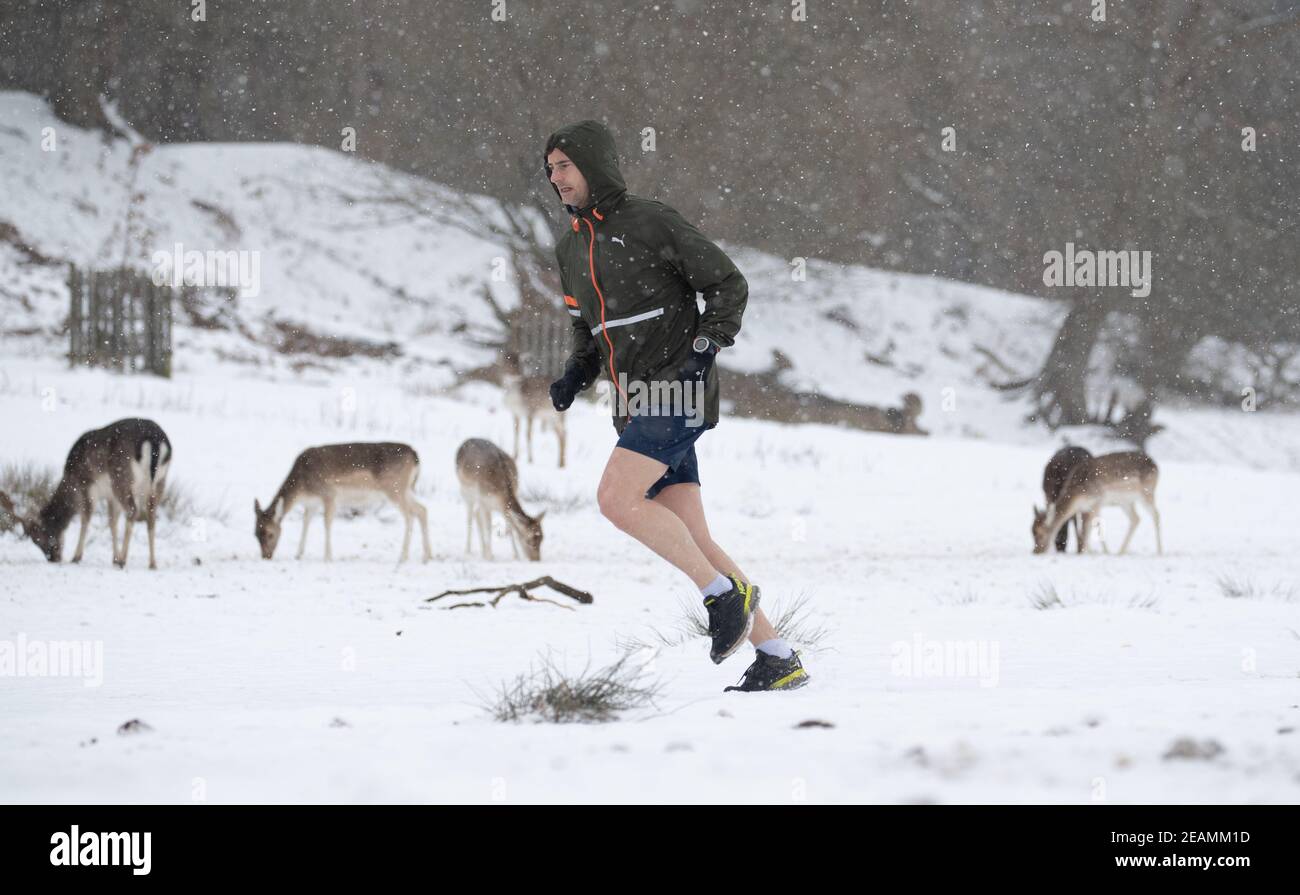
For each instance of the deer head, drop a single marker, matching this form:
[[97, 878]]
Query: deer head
[[48, 542], [1042, 527], [266, 525], [530, 533]]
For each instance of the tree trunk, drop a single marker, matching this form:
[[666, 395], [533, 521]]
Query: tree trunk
[[1060, 386]]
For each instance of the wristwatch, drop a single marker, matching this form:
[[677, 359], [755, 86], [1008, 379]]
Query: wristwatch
[[703, 344]]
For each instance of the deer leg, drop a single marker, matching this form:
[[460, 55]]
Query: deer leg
[[126, 535], [400, 499], [1094, 524], [329, 524], [469, 524], [485, 530], [1133, 519], [306, 521], [529, 431], [559, 434], [151, 521], [112, 524], [514, 538], [86, 509], [1155, 517], [515, 453], [1084, 531], [422, 515]]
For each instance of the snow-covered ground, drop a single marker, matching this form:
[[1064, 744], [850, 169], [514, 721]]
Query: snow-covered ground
[[900, 546], [307, 681]]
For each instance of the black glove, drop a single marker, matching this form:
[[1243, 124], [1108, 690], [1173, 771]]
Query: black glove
[[566, 388], [696, 368]]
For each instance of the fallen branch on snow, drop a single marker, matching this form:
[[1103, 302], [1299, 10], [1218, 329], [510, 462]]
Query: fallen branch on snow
[[522, 590]]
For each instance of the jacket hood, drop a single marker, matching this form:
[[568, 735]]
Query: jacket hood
[[591, 147]]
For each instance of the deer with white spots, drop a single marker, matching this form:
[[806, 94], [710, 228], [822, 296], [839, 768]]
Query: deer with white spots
[[1121, 479], [124, 463], [323, 478], [488, 482], [528, 399]]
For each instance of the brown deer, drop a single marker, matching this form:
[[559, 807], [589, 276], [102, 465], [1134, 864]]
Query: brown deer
[[529, 397], [324, 477], [488, 482], [1120, 479], [1054, 475], [125, 463]]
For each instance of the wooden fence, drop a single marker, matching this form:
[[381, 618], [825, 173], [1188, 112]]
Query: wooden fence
[[119, 319]]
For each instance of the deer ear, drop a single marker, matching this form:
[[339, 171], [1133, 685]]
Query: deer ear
[[540, 515], [257, 506]]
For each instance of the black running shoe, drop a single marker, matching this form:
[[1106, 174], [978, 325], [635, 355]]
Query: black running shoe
[[731, 618], [770, 673]]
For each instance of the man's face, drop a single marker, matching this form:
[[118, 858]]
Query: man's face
[[567, 179]]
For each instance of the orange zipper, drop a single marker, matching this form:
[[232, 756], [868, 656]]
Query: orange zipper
[[591, 265]]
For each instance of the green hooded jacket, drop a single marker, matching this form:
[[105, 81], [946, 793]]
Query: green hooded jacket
[[630, 268]]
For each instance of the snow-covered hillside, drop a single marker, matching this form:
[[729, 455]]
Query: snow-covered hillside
[[351, 248]]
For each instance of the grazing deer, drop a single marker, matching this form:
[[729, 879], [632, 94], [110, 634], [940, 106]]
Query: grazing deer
[[1054, 475], [488, 481], [126, 463], [324, 477], [528, 397], [1121, 479]]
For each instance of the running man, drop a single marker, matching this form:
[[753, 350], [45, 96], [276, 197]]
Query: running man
[[630, 268]]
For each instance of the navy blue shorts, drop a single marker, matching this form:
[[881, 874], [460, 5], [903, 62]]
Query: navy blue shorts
[[669, 440]]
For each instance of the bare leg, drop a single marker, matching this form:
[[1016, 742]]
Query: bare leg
[[621, 496], [306, 521], [685, 502]]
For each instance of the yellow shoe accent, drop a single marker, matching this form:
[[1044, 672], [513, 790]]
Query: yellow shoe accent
[[792, 676]]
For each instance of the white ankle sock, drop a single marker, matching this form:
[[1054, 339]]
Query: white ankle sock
[[776, 647], [716, 587]]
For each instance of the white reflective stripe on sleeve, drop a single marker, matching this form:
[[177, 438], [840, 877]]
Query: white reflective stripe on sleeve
[[575, 312], [624, 321]]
